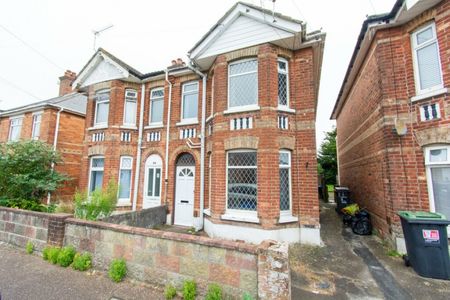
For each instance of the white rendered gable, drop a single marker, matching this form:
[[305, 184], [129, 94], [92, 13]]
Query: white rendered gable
[[244, 32], [104, 71]]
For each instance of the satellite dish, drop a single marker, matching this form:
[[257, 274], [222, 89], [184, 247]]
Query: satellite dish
[[400, 127]]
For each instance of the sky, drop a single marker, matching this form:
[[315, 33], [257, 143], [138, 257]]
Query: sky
[[41, 39]]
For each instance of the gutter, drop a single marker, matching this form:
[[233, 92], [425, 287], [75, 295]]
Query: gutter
[[166, 160], [139, 148], [55, 142], [202, 145]]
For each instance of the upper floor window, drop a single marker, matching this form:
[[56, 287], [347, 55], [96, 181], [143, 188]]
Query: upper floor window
[[189, 106], [283, 82], [36, 130], [101, 108], [156, 106], [427, 64], [15, 128], [243, 84], [129, 115]]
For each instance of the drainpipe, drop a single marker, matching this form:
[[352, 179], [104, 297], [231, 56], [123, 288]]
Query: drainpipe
[[202, 144], [55, 142], [139, 148], [166, 159]]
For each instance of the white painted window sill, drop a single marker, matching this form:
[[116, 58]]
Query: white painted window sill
[[429, 94], [131, 127], [98, 127], [209, 119], [240, 217], [287, 219], [207, 212], [240, 109], [285, 109], [187, 122], [154, 126], [121, 203]]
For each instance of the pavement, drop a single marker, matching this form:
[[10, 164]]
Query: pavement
[[349, 266], [24, 276]]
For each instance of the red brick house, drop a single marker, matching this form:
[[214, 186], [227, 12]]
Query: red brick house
[[59, 122], [393, 115], [226, 141]]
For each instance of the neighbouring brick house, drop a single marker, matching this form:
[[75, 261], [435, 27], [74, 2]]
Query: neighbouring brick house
[[59, 122], [227, 141], [393, 115]]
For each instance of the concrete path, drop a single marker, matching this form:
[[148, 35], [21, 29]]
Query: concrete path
[[355, 267], [24, 276]]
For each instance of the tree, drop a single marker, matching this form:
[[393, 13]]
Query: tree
[[26, 171], [327, 158]]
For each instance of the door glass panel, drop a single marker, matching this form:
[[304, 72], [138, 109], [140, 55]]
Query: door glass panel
[[441, 190], [157, 182], [150, 182]]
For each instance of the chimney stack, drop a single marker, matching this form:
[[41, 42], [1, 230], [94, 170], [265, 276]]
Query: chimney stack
[[177, 63], [65, 82]]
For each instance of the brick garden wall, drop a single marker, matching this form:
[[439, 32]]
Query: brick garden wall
[[145, 218]]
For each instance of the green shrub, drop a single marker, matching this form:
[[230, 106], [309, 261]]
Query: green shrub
[[26, 172], [46, 252], [53, 254], [117, 270], [247, 296], [82, 262], [99, 204], [214, 292], [65, 256], [26, 204], [170, 292], [29, 247], [189, 290]]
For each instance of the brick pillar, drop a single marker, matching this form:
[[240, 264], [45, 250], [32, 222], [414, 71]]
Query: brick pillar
[[274, 280], [56, 229]]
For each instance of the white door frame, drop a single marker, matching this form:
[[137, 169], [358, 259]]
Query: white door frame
[[184, 212], [154, 162]]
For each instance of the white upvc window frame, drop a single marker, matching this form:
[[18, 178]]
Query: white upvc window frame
[[97, 102], [429, 165], [212, 98], [242, 108], [184, 93], [289, 167], [91, 169], [415, 48], [125, 201], [37, 119], [286, 72], [130, 99], [152, 98], [250, 216], [11, 126]]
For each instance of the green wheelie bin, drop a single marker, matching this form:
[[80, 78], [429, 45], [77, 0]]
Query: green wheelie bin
[[426, 243]]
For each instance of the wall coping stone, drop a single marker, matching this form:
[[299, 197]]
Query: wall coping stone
[[36, 213], [181, 237]]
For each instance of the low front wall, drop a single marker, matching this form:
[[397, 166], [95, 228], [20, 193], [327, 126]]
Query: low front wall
[[145, 218], [17, 227]]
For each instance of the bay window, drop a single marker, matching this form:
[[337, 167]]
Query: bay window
[[96, 173], [101, 108], [285, 182], [242, 180], [126, 164], [283, 83]]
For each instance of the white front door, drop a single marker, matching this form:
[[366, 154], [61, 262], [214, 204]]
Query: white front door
[[184, 196], [152, 184]]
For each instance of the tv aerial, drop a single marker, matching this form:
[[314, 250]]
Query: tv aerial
[[97, 33]]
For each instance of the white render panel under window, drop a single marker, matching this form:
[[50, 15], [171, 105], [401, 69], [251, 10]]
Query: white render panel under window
[[101, 108], [242, 181], [36, 129], [189, 102], [96, 173], [129, 115], [285, 182], [283, 82], [243, 84], [437, 161], [427, 64], [126, 163], [156, 106], [15, 128]]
